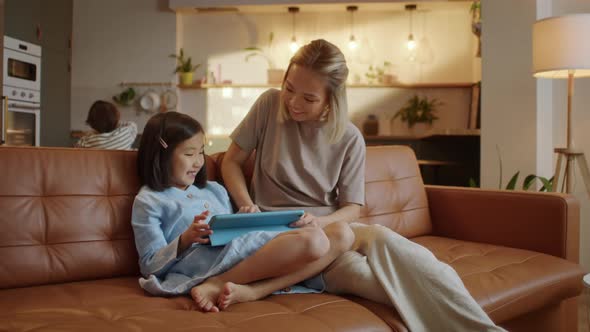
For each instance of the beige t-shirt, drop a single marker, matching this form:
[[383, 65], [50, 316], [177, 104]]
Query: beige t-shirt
[[296, 167]]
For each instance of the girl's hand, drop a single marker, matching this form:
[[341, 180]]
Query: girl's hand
[[249, 209], [197, 232], [306, 220]]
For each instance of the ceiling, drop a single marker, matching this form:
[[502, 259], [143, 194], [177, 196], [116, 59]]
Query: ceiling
[[280, 6]]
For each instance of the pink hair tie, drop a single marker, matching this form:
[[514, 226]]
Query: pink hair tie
[[164, 145]]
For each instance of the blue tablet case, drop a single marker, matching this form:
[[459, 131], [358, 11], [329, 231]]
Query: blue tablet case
[[226, 227]]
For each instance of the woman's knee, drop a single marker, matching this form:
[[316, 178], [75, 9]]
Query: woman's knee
[[315, 242], [340, 235]]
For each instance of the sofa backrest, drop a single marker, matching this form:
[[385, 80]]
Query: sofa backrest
[[394, 192], [65, 215]]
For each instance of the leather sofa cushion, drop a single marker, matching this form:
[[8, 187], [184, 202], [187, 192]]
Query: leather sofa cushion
[[507, 282], [119, 304]]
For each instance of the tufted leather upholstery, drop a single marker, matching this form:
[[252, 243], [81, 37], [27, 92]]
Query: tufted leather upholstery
[[65, 215], [68, 262]]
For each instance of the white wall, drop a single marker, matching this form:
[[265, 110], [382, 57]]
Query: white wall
[[581, 123], [115, 41], [525, 116], [220, 39], [448, 57], [508, 91]]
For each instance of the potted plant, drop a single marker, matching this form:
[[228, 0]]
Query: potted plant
[[476, 24], [185, 67], [418, 111], [274, 75], [380, 74]]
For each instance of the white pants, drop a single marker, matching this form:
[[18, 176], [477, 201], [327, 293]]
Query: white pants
[[388, 268]]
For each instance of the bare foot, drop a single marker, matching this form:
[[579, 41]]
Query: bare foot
[[206, 293], [236, 293]]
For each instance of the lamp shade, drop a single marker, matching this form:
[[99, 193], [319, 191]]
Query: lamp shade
[[562, 44]]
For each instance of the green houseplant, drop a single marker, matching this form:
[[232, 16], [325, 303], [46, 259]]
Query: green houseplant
[[528, 181], [274, 75], [184, 67], [418, 110]]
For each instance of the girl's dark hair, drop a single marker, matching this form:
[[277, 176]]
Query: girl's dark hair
[[154, 156], [103, 116]]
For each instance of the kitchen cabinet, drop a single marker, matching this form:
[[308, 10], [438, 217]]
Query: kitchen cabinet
[[1, 47], [48, 24], [445, 157], [22, 19], [56, 24]]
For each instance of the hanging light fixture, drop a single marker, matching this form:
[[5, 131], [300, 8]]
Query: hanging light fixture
[[352, 43], [293, 45], [411, 42]]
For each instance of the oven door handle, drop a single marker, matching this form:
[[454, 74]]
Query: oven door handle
[[3, 118], [22, 106]]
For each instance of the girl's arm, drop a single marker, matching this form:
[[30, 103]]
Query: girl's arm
[[156, 255], [233, 177]]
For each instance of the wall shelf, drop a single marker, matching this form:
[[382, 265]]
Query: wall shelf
[[372, 86], [431, 133]]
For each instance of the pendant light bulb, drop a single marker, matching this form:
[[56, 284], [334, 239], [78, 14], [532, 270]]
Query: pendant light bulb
[[293, 45], [411, 42], [352, 43]]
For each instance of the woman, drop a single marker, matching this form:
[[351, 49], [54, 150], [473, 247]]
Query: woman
[[310, 156]]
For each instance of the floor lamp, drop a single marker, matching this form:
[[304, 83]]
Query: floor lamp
[[561, 49]]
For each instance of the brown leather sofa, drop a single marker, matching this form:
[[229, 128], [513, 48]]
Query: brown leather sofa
[[68, 261]]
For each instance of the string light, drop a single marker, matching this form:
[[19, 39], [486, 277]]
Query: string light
[[293, 45], [411, 42]]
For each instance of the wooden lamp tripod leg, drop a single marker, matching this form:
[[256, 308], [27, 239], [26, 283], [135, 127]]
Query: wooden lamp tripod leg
[[581, 159], [557, 172]]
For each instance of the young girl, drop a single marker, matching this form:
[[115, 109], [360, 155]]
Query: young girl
[[170, 221]]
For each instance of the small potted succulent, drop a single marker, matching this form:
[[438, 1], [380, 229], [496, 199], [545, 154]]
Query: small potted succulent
[[380, 74], [184, 67]]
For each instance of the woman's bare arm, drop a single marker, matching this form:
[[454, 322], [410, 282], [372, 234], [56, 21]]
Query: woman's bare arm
[[233, 176]]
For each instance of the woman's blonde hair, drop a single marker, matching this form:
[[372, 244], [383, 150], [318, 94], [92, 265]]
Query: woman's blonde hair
[[326, 60]]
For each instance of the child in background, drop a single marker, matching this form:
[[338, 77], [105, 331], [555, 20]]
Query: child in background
[[108, 132], [170, 221]]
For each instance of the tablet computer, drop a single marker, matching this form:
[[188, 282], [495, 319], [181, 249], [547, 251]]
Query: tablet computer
[[226, 227]]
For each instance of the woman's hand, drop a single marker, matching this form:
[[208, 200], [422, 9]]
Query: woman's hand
[[197, 232], [306, 220], [249, 209]]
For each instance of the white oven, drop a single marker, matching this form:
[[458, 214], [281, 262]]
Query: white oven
[[22, 65], [21, 103], [21, 121]]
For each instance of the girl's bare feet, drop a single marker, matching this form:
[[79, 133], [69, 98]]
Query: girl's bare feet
[[207, 293], [236, 293]]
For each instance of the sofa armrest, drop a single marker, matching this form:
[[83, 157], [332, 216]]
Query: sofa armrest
[[543, 222]]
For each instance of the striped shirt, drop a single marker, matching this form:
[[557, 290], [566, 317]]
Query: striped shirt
[[119, 139]]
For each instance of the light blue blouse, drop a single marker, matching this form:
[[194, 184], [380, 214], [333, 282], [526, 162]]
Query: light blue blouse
[[159, 218]]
